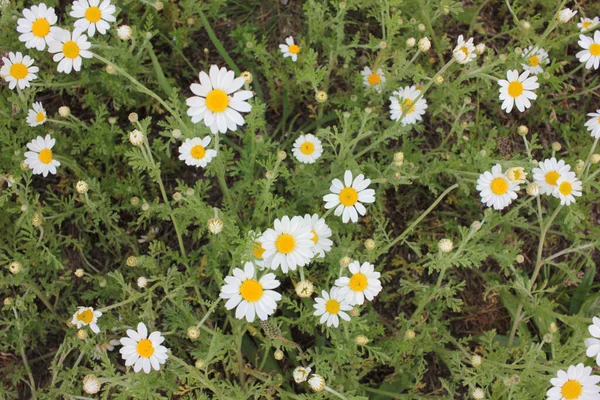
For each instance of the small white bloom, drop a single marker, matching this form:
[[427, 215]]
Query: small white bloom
[[376, 79], [590, 55], [91, 384], [290, 49], [567, 188], [548, 174], [307, 149], [69, 49], [321, 234], [37, 115], [316, 382], [136, 138], [517, 90], [464, 52], [289, 245], [39, 158], [301, 374], [331, 307], [535, 58], [593, 124], [363, 284], [577, 383], [588, 23], [124, 32], [93, 15], [18, 70], [495, 189], [516, 174], [142, 282], [36, 25], [405, 106], [565, 15], [195, 153], [593, 343], [347, 197], [86, 316], [104, 347], [143, 351]]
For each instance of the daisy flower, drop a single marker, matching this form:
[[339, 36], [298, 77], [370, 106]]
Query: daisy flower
[[516, 174], [464, 52], [364, 283], [536, 57], [404, 107], [289, 245], [37, 115], [565, 15], [93, 15], [39, 158], [331, 307], [36, 26], [219, 100], [590, 55], [347, 197], [496, 189], [577, 383], [301, 374], [593, 343], [68, 49], [593, 124], [307, 149], [373, 79], [18, 70], [143, 351], [290, 49], [321, 234], [517, 90], [194, 152], [567, 187], [86, 316], [250, 296], [588, 23], [548, 174]]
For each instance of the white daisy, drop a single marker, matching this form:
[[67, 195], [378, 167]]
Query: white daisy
[[588, 23], [464, 52], [565, 15], [593, 343], [288, 245], [93, 15], [290, 49], [18, 70], [143, 351], [86, 316], [331, 307], [219, 100], [403, 105], [577, 383], [347, 197], [36, 26], [548, 174], [496, 189], [249, 295], [517, 90], [536, 57], [301, 374], [567, 187], [194, 152], [321, 234], [516, 174], [37, 115], [307, 148], [373, 79], [593, 124], [590, 55], [39, 158], [364, 283], [68, 49]]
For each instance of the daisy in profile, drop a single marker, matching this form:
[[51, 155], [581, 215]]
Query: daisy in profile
[[331, 307], [535, 58], [405, 107], [103, 348], [36, 25], [69, 49], [548, 174], [348, 197], [194, 152], [565, 15], [18, 70], [249, 295], [289, 244], [517, 174], [464, 52], [290, 49], [496, 189], [37, 115], [373, 79], [307, 149], [39, 158], [93, 15], [593, 124], [593, 343], [219, 100], [517, 90], [363, 284], [567, 188], [321, 234], [86, 316], [301, 374], [590, 55], [143, 351], [577, 383], [588, 23]]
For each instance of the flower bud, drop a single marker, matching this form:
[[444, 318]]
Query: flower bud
[[247, 75], [177, 196], [361, 340], [369, 244], [215, 226], [522, 130], [526, 25], [200, 364], [79, 273], [410, 334], [82, 334], [91, 384], [37, 220], [134, 201], [304, 289], [548, 338], [345, 261], [476, 360], [278, 355], [579, 165], [15, 267], [124, 32], [81, 187], [136, 138], [556, 146], [110, 69], [193, 332], [595, 158], [520, 259], [142, 282], [480, 48], [132, 261], [410, 42], [438, 79], [301, 373], [145, 207], [321, 96], [159, 5], [399, 156], [282, 155], [176, 133], [478, 394], [565, 15], [533, 189], [553, 328], [64, 111], [133, 117], [424, 44], [445, 245], [316, 382], [8, 301]]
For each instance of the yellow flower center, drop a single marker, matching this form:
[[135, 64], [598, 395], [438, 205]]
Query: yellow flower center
[[406, 106], [294, 49], [198, 152], [348, 196], [46, 156], [534, 61], [315, 237], [307, 148], [565, 188], [515, 89], [465, 50], [145, 348], [358, 282], [374, 79], [251, 290], [41, 27], [71, 49], [217, 100], [86, 316], [595, 49], [40, 117], [552, 177], [285, 243], [93, 14], [19, 70], [571, 390], [258, 250], [332, 306], [499, 186], [586, 24]]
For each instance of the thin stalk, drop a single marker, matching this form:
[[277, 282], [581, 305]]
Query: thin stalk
[[217, 43]]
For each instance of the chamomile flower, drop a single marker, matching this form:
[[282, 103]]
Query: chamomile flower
[[321, 234], [548, 174], [363, 284], [69, 49], [307, 148], [577, 383], [593, 124], [496, 189], [464, 52], [590, 55], [37, 115], [373, 79], [143, 351], [86, 316], [517, 174], [588, 23], [331, 307], [517, 90], [593, 343], [219, 100], [535, 58], [348, 197], [288, 245], [250, 296], [18, 70], [567, 188], [301, 374], [565, 15], [405, 106], [39, 158], [195, 153], [36, 25], [290, 49], [93, 15]]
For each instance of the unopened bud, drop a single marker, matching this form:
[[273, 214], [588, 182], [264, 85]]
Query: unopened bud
[[82, 334], [278, 355], [410, 42], [424, 44], [304, 289], [522, 130], [193, 332], [361, 340], [556, 146], [321, 96], [410, 334], [369, 244], [64, 111], [81, 187], [445, 245], [132, 261], [79, 273]]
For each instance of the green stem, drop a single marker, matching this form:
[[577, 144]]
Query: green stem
[[24, 356], [217, 43]]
